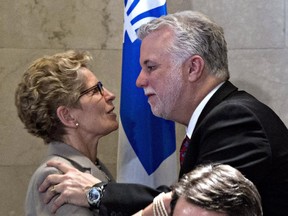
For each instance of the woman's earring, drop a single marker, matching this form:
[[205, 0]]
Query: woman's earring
[[77, 124]]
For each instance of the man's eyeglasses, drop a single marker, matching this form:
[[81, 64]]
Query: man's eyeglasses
[[96, 88]]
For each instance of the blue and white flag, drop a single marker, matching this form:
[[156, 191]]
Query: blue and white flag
[[146, 151]]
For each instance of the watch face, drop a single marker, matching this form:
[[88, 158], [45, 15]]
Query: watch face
[[93, 196]]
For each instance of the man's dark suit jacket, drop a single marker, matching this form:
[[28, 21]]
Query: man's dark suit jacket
[[234, 128]]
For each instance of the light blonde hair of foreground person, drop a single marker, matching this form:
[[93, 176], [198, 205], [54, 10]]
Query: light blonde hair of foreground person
[[220, 188]]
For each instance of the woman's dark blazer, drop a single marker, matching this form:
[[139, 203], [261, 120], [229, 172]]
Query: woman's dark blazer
[[234, 128]]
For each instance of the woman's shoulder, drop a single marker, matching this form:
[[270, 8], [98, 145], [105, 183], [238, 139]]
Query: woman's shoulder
[[43, 170]]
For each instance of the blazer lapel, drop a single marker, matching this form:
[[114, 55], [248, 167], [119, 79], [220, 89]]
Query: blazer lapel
[[191, 155], [224, 91]]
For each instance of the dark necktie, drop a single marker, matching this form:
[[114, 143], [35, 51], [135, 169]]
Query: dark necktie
[[183, 149]]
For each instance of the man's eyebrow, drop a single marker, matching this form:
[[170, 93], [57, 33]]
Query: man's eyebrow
[[146, 62], [149, 61]]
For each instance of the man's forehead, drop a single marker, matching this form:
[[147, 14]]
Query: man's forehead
[[187, 208], [149, 58], [154, 46], [149, 53]]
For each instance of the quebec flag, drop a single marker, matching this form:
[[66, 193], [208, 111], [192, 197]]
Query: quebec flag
[[146, 150]]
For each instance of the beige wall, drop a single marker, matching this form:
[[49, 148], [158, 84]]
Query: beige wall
[[256, 32]]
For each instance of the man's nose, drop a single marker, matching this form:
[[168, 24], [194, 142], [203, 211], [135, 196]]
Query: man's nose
[[141, 80]]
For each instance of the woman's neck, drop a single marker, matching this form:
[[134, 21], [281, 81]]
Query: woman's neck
[[87, 146]]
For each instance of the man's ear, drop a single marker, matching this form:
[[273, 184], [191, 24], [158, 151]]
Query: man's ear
[[195, 66], [65, 116]]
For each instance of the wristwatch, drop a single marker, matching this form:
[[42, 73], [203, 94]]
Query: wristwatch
[[94, 194]]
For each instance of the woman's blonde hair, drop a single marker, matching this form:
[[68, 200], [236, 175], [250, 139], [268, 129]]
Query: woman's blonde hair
[[48, 83]]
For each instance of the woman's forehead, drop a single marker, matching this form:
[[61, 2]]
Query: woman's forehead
[[90, 77]]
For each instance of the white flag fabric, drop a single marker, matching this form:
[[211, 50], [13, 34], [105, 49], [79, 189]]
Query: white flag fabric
[[146, 150]]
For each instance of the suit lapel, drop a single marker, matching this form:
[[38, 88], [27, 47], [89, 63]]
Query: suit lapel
[[224, 91], [191, 156]]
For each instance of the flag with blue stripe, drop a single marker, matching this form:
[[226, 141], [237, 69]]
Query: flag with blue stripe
[[146, 151]]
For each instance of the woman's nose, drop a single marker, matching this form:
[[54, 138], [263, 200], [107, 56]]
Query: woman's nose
[[108, 95]]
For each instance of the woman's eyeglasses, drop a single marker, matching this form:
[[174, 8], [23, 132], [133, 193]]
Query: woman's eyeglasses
[[96, 88]]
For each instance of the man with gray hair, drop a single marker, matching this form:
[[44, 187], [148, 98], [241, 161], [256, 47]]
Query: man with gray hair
[[186, 79]]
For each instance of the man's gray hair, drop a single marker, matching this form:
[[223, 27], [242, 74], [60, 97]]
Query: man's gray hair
[[194, 34]]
